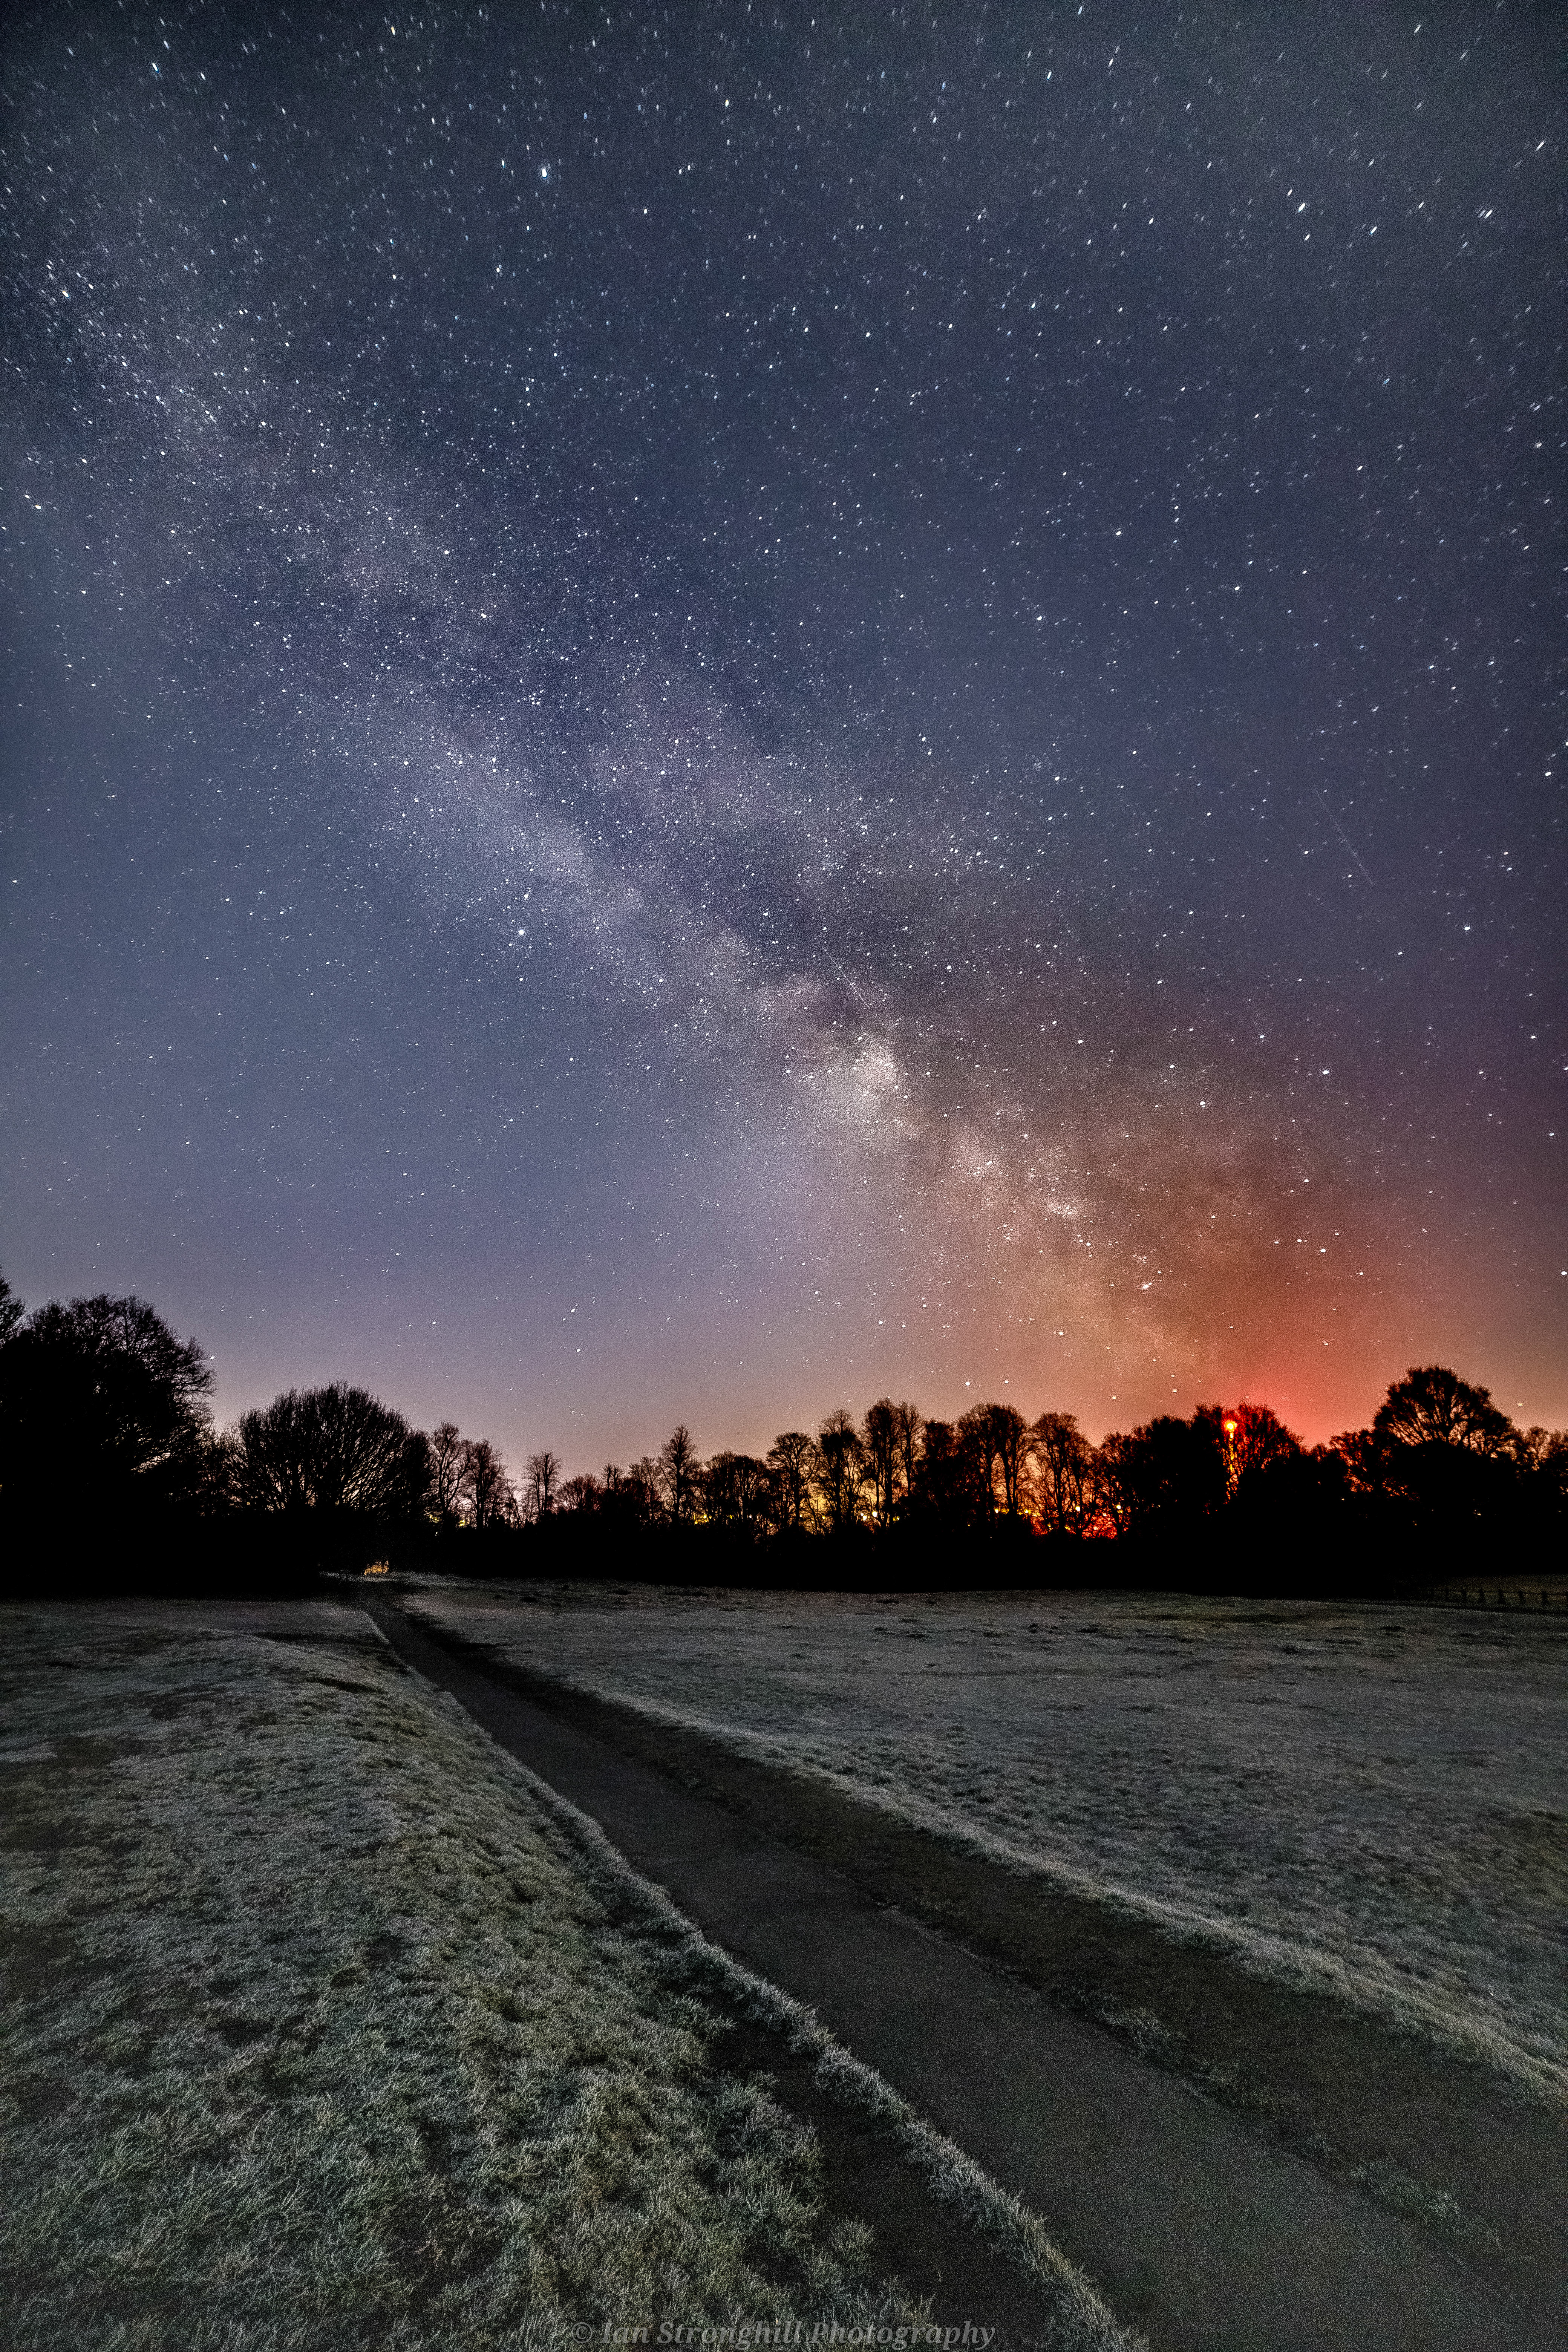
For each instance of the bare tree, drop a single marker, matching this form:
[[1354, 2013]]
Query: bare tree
[[981, 1432], [1546, 1455], [334, 1448], [100, 1391], [445, 1470], [640, 1491], [1539, 1449], [1262, 1438], [1112, 1477], [486, 1488], [880, 1438], [792, 1460], [1439, 1450], [736, 1491], [1432, 1406], [950, 1485], [1008, 1448], [753, 1492], [1066, 1462], [1249, 1438], [1166, 1473], [909, 1427], [972, 1442], [543, 1483], [841, 1470], [681, 1469]]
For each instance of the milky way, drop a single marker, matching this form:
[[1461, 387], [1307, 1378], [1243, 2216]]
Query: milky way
[[712, 712]]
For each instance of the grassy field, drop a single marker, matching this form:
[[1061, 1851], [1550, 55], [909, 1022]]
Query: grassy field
[[324, 2026], [1372, 1802]]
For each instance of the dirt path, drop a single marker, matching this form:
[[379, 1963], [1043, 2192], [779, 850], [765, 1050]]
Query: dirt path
[[1197, 2228], [1448, 2143]]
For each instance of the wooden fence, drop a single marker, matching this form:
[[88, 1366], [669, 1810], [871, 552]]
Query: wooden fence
[[1490, 1593]]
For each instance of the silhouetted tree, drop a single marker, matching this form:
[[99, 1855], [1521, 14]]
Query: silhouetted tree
[[11, 1311], [791, 1460], [330, 1449], [1365, 1457], [1541, 1455], [908, 1425], [737, 1493], [973, 1443], [1247, 1437], [445, 1470], [996, 1440], [950, 1486], [99, 1398], [544, 1480], [1260, 1439], [681, 1470], [1297, 1503], [881, 1441], [840, 1470], [1432, 1406], [1066, 1462], [638, 1492], [1003, 1435], [1439, 1454], [485, 1488], [1548, 1469], [1112, 1483], [1168, 1474]]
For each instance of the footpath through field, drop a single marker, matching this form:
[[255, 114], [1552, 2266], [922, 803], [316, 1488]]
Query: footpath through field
[[1198, 2231]]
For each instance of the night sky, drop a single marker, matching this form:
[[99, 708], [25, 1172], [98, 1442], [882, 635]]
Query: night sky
[[710, 711]]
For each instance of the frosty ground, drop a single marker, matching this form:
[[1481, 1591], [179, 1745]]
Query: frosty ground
[[1367, 1800], [323, 2026]]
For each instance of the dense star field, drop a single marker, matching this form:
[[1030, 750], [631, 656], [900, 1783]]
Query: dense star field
[[711, 710]]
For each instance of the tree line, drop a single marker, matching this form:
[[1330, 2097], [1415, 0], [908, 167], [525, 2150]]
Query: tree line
[[105, 1424], [1438, 1453]]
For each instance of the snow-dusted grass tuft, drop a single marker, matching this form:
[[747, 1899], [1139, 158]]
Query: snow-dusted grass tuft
[[322, 2028], [1369, 1801]]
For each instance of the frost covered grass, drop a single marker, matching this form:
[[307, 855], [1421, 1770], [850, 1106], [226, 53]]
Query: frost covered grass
[[327, 2025], [1368, 1801], [1078, 2319], [319, 2029]]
